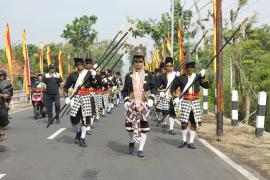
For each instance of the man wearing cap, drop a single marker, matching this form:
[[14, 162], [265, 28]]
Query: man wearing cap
[[53, 82], [190, 106], [81, 110], [138, 93], [6, 92], [164, 101]]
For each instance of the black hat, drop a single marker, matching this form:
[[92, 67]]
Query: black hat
[[51, 66], [88, 60], [189, 61], [138, 53], [39, 74], [78, 60], [3, 72], [168, 60], [157, 70], [162, 65]]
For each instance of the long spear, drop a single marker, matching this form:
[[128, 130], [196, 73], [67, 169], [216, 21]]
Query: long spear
[[110, 45], [208, 64], [125, 42], [77, 90]]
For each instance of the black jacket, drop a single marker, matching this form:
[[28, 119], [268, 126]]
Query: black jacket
[[182, 80], [149, 84], [72, 79]]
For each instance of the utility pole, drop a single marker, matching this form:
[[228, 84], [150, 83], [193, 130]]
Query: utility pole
[[219, 75], [172, 31]]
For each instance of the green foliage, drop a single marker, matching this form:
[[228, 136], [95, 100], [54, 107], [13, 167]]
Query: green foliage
[[80, 33]]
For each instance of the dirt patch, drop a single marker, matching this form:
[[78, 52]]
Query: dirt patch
[[239, 143]]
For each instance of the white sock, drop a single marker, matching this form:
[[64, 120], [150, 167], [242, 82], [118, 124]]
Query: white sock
[[83, 132], [184, 134], [131, 137], [112, 105], [97, 116], [78, 127], [103, 111], [192, 136], [109, 108], [171, 123], [165, 120], [88, 128], [117, 101], [92, 120], [142, 141]]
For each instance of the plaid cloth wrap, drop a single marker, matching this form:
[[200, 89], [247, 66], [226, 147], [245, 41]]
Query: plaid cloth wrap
[[137, 119], [187, 106], [163, 103], [98, 101], [106, 100], [84, 102]]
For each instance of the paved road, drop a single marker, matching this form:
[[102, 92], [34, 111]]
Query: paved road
[[28, 154]]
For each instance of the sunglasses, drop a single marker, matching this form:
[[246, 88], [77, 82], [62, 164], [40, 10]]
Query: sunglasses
[[169, 66], [138, 61]]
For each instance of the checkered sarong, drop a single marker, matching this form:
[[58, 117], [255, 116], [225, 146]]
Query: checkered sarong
[[163, 103], [98, 100], [187, 106], [83, 102], [106, 100]]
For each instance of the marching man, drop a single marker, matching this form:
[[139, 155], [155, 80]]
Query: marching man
[[138, 91], [81, 110], [190, 106]]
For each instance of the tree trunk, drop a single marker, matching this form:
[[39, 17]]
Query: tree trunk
[[247, 105]]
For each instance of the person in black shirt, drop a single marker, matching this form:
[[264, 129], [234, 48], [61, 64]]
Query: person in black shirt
[[53, 82], [6, 92]]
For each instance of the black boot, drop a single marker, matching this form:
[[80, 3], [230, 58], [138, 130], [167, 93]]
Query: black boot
[[140, 154], [171, 132], [131, 147], [182, 144], [82, 143], [191, 146], [77, 137]]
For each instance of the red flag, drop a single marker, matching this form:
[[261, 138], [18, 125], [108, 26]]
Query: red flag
[[9, 51], [60, 63]]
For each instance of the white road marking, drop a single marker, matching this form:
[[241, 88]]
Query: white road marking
[[56, 133], [2, 175], [225, 158], [20, 110]]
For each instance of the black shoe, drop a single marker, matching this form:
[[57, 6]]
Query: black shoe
[[103, 115], [172, 132], [77, 138], [200, 123], [88, 133], [191, 146], [109, 112], [131, 148], [57, 121], [140, 154], [82, 143], [182, 144]]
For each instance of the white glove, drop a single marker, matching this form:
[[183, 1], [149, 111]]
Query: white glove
[[162, 94], [93, 73], [150, 103], [95, 66], [202, 72], [176, 100], [105, 80], [126, 105], [177, 74], [67, 100]]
